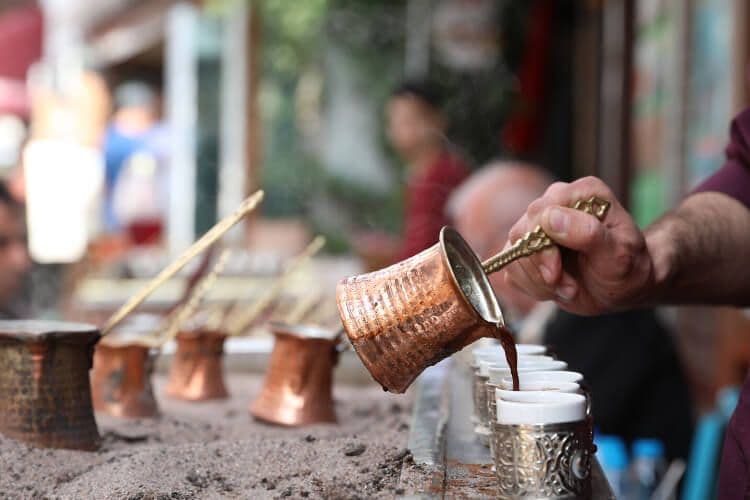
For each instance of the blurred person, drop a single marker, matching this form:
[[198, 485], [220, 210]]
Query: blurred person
[[134, 131], [15, 262], [628, 359], [416, 129]]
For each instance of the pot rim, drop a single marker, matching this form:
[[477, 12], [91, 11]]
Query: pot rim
[[454, 246], [34, 331]]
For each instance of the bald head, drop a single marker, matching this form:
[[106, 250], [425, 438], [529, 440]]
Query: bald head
[[485, 207]]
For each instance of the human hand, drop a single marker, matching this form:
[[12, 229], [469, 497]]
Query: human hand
[[597, 266]]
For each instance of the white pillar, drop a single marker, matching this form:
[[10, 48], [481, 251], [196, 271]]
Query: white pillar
[[234, 95], [181, 85]]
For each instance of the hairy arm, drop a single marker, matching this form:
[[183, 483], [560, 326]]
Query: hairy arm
[[701, 252]]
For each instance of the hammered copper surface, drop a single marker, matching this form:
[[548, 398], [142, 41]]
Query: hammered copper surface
[[415, 313], [121, 380], [298, 386], [45, 395], [196, 373]]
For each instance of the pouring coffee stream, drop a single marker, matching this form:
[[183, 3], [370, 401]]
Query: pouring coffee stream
[[408, 316]]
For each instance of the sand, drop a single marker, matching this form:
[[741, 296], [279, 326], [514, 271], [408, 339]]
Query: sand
[[215, 450]]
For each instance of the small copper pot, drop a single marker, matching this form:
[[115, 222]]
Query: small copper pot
[[121, 379], [45, 395], [413, 314], [297, 388], [196, 373]]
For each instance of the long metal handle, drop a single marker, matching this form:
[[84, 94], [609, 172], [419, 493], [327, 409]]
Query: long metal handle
[[537, 240]]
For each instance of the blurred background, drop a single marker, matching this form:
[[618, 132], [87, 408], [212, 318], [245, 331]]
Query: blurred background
[[128, 129]]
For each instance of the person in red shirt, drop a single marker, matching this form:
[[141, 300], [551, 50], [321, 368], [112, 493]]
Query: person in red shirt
[[416, 129]]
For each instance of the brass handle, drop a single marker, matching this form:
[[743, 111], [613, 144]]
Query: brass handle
[[537, 240]]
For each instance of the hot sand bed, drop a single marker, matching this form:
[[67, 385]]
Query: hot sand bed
[[216, 450]]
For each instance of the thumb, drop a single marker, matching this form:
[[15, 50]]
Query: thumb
[[572, 228]]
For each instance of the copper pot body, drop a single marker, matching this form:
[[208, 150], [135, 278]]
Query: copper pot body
[[196, 373], [121, 380], [45, 394], [417, 312], [297, 389]]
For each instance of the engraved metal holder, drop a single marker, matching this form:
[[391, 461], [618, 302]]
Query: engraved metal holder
[[491, 404], [551, 461], [479, 393]]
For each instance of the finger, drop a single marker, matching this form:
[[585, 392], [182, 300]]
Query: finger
[[567, 194], [567, 289], [548, 264], [573, 229], [535, 277], [519, 229], [516, 276]]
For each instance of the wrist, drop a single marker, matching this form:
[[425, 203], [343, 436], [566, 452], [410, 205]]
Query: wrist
[[662, 253]]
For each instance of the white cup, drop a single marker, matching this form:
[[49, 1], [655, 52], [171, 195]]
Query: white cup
[[526, 378], [500, 362], [497, 373], [542, 408]]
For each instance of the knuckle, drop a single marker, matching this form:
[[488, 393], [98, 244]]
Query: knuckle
[[556, 188], [623, 261], [518, 229], [536, 206], [589, 181], [625, 255], [591, 230]]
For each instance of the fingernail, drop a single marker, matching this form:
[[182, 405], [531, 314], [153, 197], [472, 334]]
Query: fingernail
[[546, 273], [558, 220], [566, 292]]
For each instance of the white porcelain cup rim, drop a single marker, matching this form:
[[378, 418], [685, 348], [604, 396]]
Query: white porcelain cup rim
[[543, 375], [542, 408], [491, 352], [531, 349], [486, 364], [498, 373], [527, 388]]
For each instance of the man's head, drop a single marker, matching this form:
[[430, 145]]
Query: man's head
[[414, 119], [485, 207], [14, 256]]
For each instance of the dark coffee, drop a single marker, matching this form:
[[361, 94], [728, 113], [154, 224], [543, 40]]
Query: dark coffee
[[511, 356]]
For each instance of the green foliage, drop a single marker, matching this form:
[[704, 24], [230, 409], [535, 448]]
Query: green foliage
[[295, 38]]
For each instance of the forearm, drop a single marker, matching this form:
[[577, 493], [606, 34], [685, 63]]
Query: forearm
[[701, 252]]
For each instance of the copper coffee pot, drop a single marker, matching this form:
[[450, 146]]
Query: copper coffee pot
[[297, 388], [412, 314], [196, 373], [121, 379], [45, 395]]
